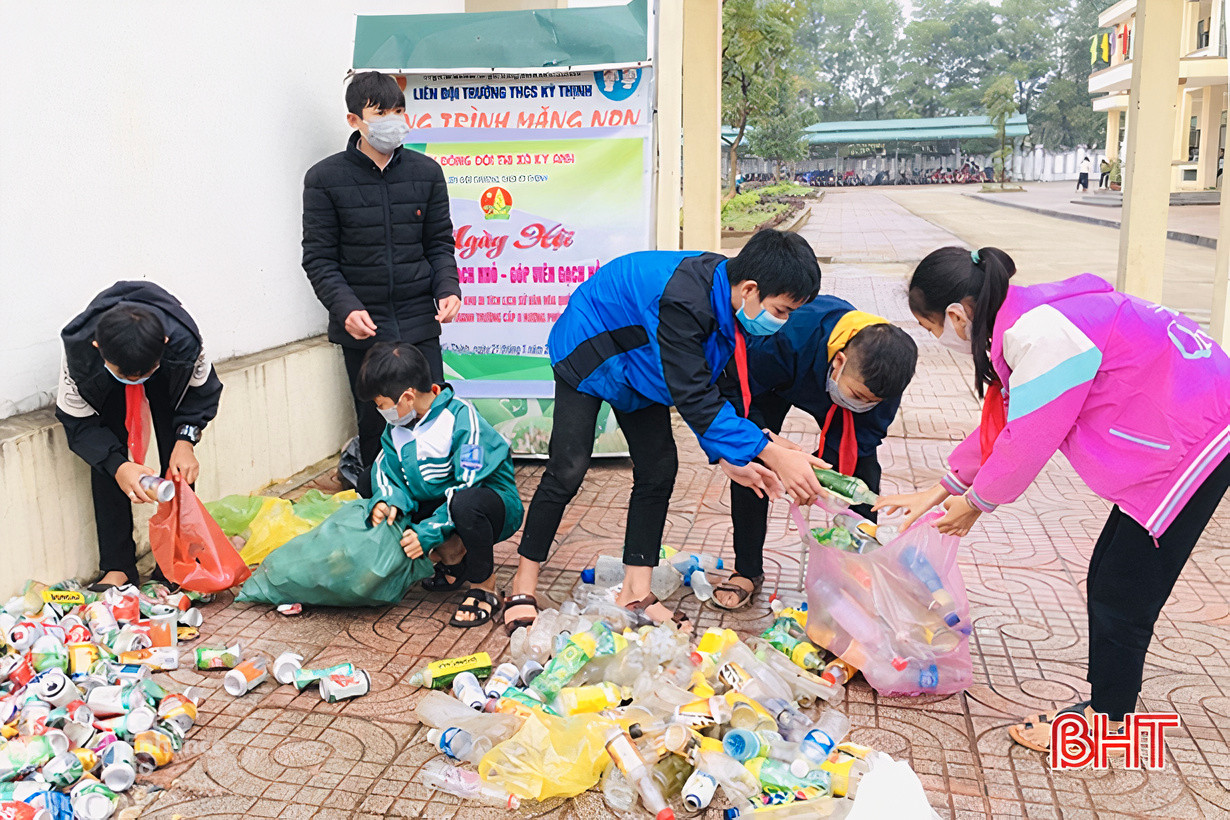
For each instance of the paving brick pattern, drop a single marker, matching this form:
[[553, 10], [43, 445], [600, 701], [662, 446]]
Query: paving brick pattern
[[275, 753]]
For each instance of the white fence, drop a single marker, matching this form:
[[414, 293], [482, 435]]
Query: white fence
[[1036, 165]]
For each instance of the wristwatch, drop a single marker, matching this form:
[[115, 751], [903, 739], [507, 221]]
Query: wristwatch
[[189, 433]]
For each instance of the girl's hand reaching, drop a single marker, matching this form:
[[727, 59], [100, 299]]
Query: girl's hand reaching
[[915, 504]]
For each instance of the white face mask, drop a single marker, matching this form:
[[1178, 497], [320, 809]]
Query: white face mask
[[949, 338], [390, 415], [842, 400], [387, 133]]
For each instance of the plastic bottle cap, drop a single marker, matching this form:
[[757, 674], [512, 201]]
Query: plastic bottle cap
[[666, 814], [587, 575]]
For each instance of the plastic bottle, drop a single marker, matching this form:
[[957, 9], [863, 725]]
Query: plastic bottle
[[440, 674], [815, 747], [701, 585], [838, 672], [764, 681], [846, 768], [743, 745], [557, 672], [736, 781], [664, 581], [846, 486], [625, 755], [917, 564], [541, 636], [670, 773], [792, 723], [777, 775], [468, 690], [530, 670], [799, 650], [441, 711], [811, 808], [807, 685], [574, 700], [698, 790], [437, 774], [459, 744], [504, 676], [618, 792]]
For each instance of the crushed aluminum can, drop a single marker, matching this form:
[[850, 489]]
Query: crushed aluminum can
[[285, 666], [290, 609], [212, 657], [341, 686], [245, 677]]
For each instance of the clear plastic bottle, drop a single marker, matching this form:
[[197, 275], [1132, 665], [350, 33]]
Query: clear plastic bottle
[[618, 792], [791, 723], [670, 773], [560, 670], [575, 700], [701, 585], [438, 774], [664, 581], [815, 747], [504, 676], [736, 781], [469, 691], [459, 744], [623, 751]]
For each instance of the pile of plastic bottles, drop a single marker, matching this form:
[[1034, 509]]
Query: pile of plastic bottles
[[80, 715], [677, 717]]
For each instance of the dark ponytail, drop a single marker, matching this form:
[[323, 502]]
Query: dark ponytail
[[952, 275]]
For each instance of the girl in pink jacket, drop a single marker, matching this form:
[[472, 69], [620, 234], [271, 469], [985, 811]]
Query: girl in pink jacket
[[1136, 397]]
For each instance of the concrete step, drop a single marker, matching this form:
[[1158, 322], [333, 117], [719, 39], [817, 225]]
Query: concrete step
[[1102, 199], [1195, 198]]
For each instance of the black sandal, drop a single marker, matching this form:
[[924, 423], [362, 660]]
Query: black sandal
[[440, 583], [469, 604], [745, 595], [520, 599]]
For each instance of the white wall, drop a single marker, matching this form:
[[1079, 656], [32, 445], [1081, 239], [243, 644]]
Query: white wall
[[167, 141]]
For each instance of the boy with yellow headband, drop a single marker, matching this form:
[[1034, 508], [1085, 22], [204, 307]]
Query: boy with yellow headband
[[847, 369]]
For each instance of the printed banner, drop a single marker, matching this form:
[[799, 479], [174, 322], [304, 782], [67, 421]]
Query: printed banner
[[548, 178]]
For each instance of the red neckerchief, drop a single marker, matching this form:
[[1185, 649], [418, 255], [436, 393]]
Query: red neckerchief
[[847, 450], [134, 420], [994, 419], [741, 368]]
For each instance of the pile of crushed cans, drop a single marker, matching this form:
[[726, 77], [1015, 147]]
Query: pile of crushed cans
[[80, 713], [678, 716]]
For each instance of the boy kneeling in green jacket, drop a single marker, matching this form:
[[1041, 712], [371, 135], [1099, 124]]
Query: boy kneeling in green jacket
[[443, 473]]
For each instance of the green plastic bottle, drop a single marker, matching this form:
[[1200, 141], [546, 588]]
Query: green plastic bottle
[[783, 637], [846, 486], [563, 667]]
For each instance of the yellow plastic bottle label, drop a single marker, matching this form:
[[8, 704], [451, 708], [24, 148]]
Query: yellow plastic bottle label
[[451, 667]]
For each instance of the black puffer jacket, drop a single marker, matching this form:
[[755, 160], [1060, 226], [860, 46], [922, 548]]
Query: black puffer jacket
[[184, 372], [380, 241]]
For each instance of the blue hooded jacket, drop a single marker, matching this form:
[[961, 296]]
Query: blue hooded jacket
[[656, 327]]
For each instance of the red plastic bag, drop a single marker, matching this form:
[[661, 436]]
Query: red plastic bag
[[190, 547]]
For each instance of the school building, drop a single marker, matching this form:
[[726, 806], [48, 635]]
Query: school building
[[1200, 93]]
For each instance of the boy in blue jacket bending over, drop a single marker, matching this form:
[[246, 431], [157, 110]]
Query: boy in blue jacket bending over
[[845, 368], [442, 472], [650, 331]]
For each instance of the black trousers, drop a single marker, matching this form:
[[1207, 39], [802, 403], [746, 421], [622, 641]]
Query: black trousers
[[478, 516], [371, 423], [750, 514], [1082, 182], [112, 507], [654, 464], [1130, 578], [1104, 179]]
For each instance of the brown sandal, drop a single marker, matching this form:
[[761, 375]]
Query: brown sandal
[[520, 599], [745, 596], [1035, 732], [638, 608]]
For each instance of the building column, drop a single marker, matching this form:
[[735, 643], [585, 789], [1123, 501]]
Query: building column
[[1112, 134], [1210, 125], [668, 76], [1150, 145], [702, 125], [1219, 321], [1182, 124]]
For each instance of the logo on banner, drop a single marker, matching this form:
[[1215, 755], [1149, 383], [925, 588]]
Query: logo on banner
[[618, 84], [496, 203], [1075, 744]]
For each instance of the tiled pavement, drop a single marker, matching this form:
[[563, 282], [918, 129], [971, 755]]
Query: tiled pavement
[[277, 754]]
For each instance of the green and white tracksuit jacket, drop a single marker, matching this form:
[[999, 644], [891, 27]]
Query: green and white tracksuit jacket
[[448, 450]]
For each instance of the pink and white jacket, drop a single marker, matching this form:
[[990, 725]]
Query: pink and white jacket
[[1135, 395]]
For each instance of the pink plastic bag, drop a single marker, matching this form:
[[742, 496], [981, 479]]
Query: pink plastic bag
[[899, 612]]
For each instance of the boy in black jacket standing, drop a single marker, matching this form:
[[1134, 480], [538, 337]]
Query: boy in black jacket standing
[[135, 344], [378, 243]]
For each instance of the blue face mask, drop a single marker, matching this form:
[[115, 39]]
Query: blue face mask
[[123, 380], [762, 324]]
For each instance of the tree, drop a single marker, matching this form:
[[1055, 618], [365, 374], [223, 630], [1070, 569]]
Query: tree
[[777, 134], [1000, 103], [846, 56], [757, 38]]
